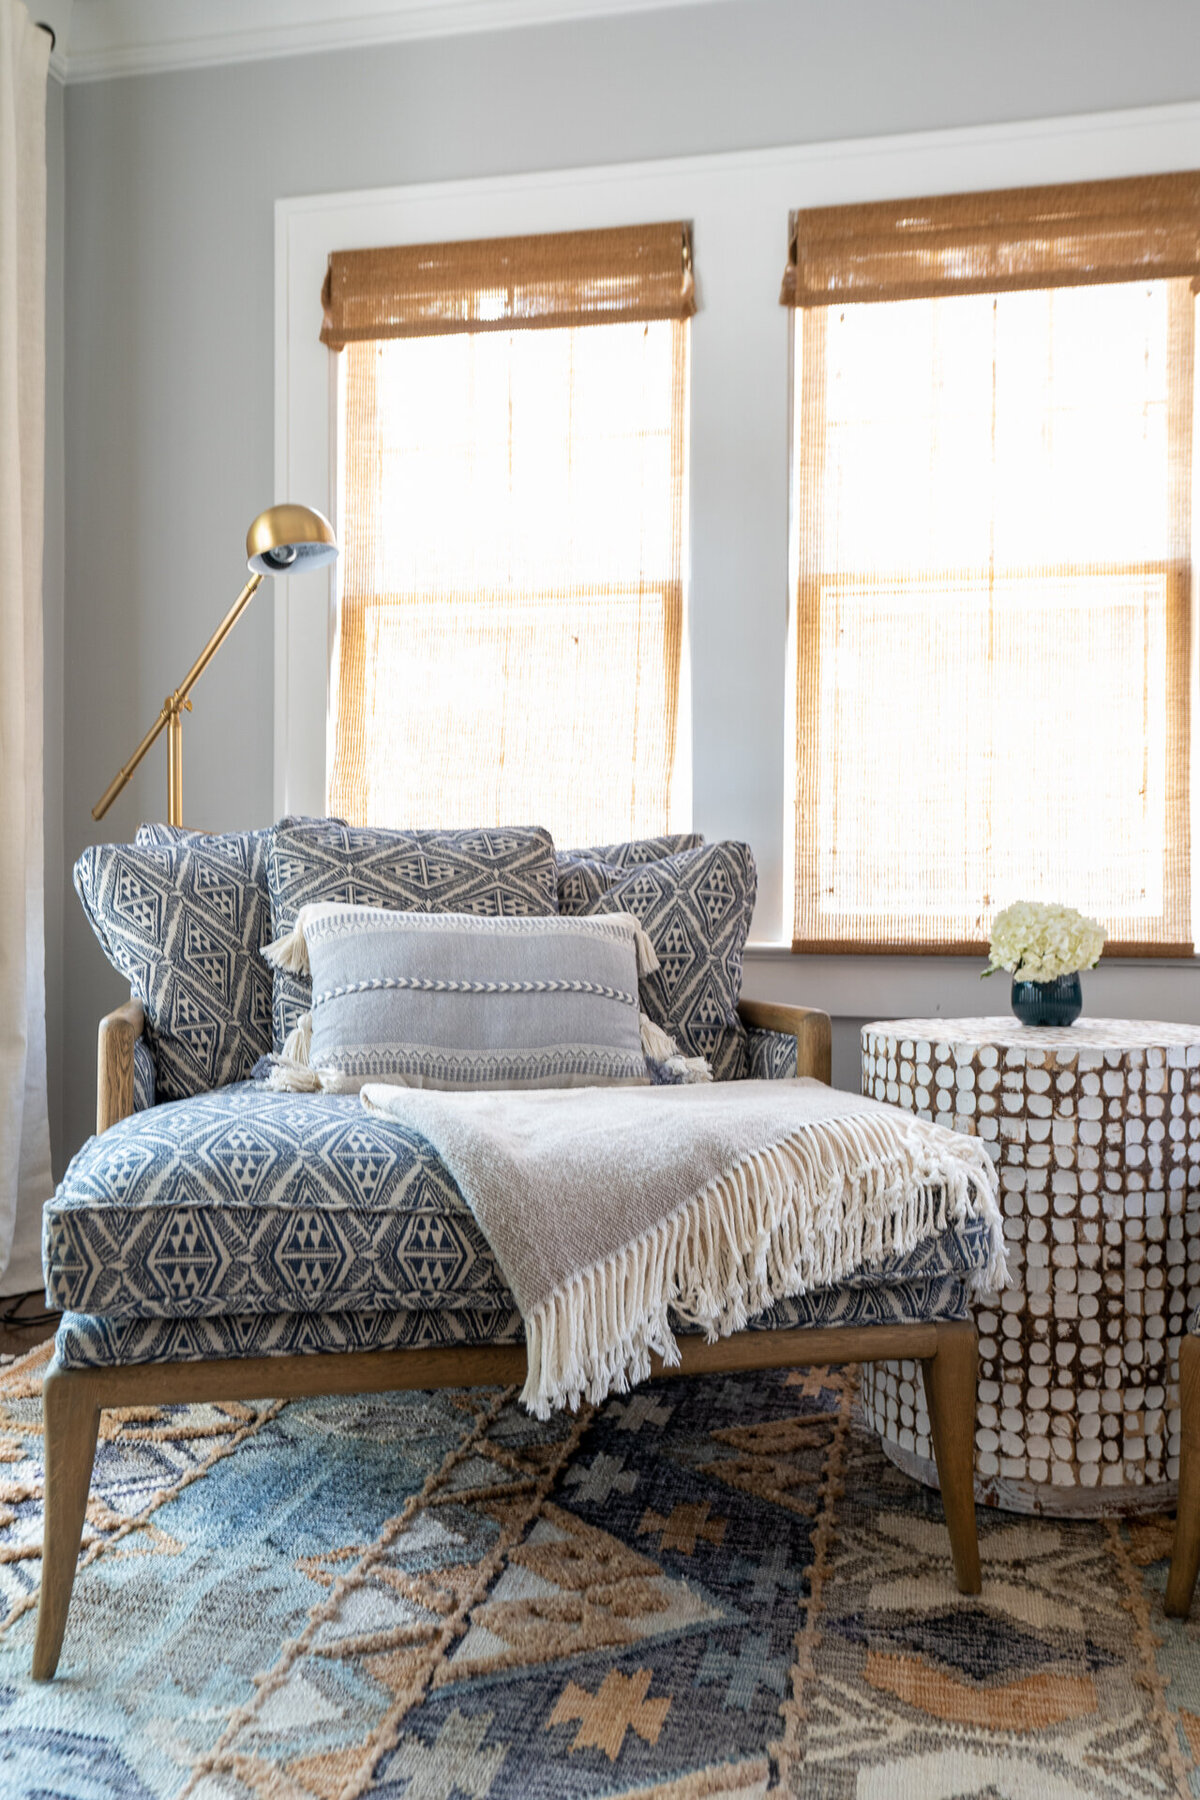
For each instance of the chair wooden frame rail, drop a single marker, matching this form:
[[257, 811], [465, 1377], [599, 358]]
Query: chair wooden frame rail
[[74, 1398]]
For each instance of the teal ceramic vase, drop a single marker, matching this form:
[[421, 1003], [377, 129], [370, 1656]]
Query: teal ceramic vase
[[1057, 1002]]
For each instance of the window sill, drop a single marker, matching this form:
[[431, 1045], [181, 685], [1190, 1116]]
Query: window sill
[[916, 987], [769, 952]]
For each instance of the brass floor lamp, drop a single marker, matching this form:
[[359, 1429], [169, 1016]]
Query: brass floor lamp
[[283, 540]]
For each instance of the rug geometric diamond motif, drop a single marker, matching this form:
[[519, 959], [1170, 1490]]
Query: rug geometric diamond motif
[[712, 1587]]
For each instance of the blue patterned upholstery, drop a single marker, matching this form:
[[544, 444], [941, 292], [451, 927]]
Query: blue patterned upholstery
[[95, 1341], [158, 833], [143, 1076], [248, 1201], [183, 922], [250, 1223], [240, 1222], [508, 873], [696, 907], [228, 846], [631, 853], [89, 1342], [584, 875], [770, 1055]]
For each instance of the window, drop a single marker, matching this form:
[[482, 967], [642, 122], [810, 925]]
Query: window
[[512, 483], [992, 544]]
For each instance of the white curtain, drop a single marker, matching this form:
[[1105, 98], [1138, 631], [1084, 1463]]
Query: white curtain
[[25, 1181]]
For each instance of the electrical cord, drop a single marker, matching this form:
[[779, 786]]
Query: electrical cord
[[13, 1318]]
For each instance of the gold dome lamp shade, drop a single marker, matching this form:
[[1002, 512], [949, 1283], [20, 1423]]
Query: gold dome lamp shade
[[284, 540]]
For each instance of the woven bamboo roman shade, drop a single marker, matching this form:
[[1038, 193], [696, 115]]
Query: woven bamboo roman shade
[[566, 278], [511, 616], [993, 509], [992, 243]]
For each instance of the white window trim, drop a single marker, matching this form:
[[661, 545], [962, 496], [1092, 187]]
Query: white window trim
[[739, 596]]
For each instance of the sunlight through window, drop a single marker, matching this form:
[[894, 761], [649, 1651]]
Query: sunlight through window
[[992, 620], [511, 617]]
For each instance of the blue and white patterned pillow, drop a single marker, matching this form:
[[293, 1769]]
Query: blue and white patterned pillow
[[492, 872], [584, 875], [148, 835], [696, 908], [159, 833], [184, 923]]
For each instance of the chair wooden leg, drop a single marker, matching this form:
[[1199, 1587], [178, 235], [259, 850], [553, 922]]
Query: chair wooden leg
[[950, 1376], [1185, 1552], [72, 1419]]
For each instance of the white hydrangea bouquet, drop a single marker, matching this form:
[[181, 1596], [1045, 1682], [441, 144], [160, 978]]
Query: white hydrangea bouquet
[[1040, 942]]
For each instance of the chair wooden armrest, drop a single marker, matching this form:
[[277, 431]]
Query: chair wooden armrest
[[811, 1029], [114, 1063]]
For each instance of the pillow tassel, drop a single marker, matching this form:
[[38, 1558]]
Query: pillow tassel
[[290, 951], [659, 1048], [291, 1073], [297, 1046], [647, 956], [292, 1078], [655, 1041]]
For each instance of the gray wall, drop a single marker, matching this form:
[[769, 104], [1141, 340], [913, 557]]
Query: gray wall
[[170, 184]]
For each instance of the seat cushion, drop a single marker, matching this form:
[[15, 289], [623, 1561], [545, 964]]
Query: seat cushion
[[245, 1204], [89, 1341], [246, 1201], [497, 873]]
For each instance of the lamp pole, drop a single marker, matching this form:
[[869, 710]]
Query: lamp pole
[[282, 538], [171, 715]]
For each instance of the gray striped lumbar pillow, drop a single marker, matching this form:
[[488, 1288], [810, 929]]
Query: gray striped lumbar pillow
[[452, 1000]]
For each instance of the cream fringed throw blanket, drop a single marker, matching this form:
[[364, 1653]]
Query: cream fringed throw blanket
[[607, 1207]]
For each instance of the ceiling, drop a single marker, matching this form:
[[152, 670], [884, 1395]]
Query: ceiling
[[99, 39]]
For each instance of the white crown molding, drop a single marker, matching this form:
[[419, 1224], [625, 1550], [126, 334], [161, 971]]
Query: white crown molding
[[107, 38]]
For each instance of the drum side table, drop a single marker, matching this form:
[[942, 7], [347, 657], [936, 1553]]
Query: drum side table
[[1095, 1131]]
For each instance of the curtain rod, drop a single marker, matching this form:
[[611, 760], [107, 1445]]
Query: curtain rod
[[42, 26]]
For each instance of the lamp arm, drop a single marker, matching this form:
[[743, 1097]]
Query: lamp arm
[[217, 639], [174, 704], [119, 780]]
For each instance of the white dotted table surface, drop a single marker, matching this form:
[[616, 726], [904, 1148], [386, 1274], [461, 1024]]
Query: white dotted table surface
[[1006, 1033], [1095, 1131]]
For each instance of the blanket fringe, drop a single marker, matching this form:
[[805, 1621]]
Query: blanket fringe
[[803, 1214]]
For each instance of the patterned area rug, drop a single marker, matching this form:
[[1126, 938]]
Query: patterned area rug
[[709, 1587]]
